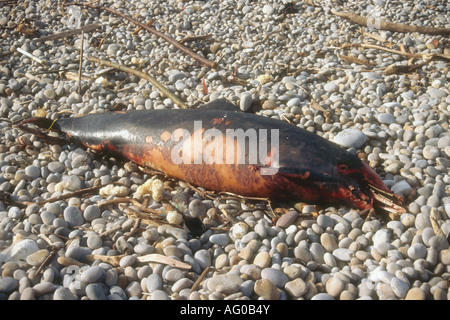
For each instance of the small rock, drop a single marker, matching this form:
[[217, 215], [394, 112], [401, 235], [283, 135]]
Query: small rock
[[277, 277], [296, 287], [350, 138], [221, 239], [399, 287], [94, 291], [330, 87], [245, 102], [73, 216], [287, 219], [8, 284], [343, 254], [62, 293], [153, 282], [262, 259], [415, 294], [436, 93], [92, 274], [266, 289], [334, 286], [325, 221], [322, 296], [226, 283], [386, 118], [417, 251], [36, 258]]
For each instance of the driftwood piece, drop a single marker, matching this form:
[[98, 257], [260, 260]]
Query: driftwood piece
[[145, 76], [69, 33], [390, 26], [408, 55], [159, 258]]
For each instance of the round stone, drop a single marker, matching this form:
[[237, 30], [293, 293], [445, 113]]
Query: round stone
[[245, 102], [330, 87], [94, 291], [8, 284], [350, 138], [415, 294], [73, 216], [226, 283], [33, 171], [334, 286], [266, 289], [43, 288], [386, 118], [296, 288], [221, 239], [322, 296], [94, 241], [399, 287], [203, 257], [343, 254], [430, 152], [417, 251], [328, 242], [36, 258], [287, 219], [325, 221], [277, 277], [63, 293], [92, 274], [153, 282], [56, 167], [262, 259], [91, 213]]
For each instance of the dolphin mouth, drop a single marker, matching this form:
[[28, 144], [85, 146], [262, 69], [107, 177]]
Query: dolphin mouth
[[387, 201]]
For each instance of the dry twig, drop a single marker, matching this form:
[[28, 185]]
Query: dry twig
[[145, 76], [70, 33], [390, 26], [159, 258]]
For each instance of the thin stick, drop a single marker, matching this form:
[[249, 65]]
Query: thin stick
[[70, 33], [408, 55], [145, 76], [81, 62], [159, 258], [390, 26], [46, 261], [133, 202], [197, 282], [29, 55], [71, 194]]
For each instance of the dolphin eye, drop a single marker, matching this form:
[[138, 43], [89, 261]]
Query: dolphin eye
[[343, 168]]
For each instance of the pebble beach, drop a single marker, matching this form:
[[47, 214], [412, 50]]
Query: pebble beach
[[295, 61]]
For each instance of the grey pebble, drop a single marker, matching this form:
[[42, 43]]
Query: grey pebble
[[343, 254], [350, 138], [203, 258], [43, 288], [245, 102], [221, 239], [91, 213], [277, 277], [73, 216], [56, 167], [153, 282], [94, 291], [8, 284], [92, 274], [226, 284]]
